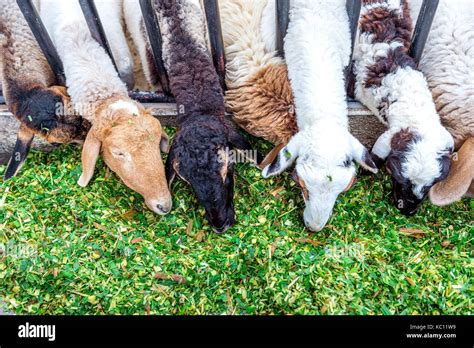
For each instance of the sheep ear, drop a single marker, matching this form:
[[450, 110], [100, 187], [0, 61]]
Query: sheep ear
[[170, 167], [381, 149], [165, 142], [285, 158], [271, 156], [459, 179], [90, 154], [238, 141], [20, 152], [362, 156]]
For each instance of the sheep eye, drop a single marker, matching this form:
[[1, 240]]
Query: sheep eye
[[119, 154], [347, 163]]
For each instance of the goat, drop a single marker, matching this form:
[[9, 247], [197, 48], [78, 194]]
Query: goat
[[416, 147], [29, 91], [128, 136], [448, 65], [317, 49]]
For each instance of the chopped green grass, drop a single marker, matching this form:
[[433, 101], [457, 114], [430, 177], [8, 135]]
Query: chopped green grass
[[98, 250]]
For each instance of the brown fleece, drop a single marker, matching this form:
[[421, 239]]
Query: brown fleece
[[387, 26], [263, 106]]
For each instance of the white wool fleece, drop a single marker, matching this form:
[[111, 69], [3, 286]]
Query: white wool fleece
[[243, 40], [90, 73], [317, 49], [448, 64]]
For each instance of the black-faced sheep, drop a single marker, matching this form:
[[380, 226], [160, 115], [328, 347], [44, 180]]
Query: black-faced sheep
[[200, 151]]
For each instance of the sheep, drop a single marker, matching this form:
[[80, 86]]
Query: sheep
[[317, 49], [200, 151], [448, 65], [128, 136], [29, 90], [259, 94], [416, 147]]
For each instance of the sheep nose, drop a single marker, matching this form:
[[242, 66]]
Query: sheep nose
[[163, 209], [312, 227], [159, 206]]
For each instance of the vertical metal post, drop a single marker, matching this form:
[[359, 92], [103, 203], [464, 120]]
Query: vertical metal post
[[42, 37], [282, 21], [156, 43], [353, 11], [95, 26], [422, 29], [211, 7]]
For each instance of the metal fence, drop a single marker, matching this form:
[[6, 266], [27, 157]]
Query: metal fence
[[211, 8]]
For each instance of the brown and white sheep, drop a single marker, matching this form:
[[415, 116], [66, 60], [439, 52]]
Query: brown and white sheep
[[126, 134]]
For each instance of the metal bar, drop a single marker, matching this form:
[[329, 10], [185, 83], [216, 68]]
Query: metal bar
[[353, 11], [42, 37], [211, 7], [282, 21], [422, 29], [95, 26], [156, 43], [150, 97]]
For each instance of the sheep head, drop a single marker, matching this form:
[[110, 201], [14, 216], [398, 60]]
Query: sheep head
[[130, 139], [324, 168], [42, 111], [416, 161], [200, 157], [460, 181]]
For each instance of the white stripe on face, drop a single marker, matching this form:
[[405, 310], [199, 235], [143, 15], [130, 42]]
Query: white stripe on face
[[125, 105]]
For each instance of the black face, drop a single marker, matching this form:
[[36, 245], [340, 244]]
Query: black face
[[405, 200], [200, 156], [220, 212]]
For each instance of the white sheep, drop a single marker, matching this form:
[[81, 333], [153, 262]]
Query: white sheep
[[126, 133], [317, 49], [416, 147]]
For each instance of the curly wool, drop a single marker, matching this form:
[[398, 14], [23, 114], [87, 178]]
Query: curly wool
[[448, 64]]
